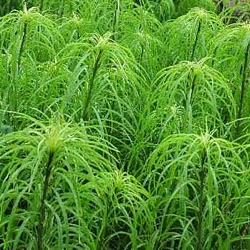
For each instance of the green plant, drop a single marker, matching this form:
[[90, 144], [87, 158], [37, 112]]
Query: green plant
[[47, 182], [201, 185], [200, 92], [27, 38], [125, 220], [189, 35], [188, 97], [183, 6], [123, 127], [231, 51], [105, 85], [143, 34], [235, 11]]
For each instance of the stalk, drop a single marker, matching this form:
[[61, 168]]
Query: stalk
[[142, 52], [243, 90], [20, 52], [142, 45], [189, 104], [42, 202], [91, 85], [15, 68], [202, 174], [214, 54], [116, 19], [41, 5], [196, 40]]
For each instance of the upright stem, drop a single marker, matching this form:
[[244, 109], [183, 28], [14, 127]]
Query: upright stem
[[189, 104], [41, 5], [16, 65], [243, 89], [196, 40], [142, 53], [200, 233], [116, 18], [193, 84], [91, 85], [24, 34], [42, 202]]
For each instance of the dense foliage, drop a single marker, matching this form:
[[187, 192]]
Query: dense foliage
[[124, 124]]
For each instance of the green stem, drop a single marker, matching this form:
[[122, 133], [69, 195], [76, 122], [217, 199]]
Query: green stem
[[142, 53], [196, 40], [24, 34], [243, 90], [16, 66], [91, 85], [189, 105], [42, 202], [202, 174], [116, 19], [41, 5], [193, 84]]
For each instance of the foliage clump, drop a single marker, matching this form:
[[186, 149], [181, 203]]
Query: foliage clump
[[124, 125]]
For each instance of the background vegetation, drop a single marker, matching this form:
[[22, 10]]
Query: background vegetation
[[124, 124]]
